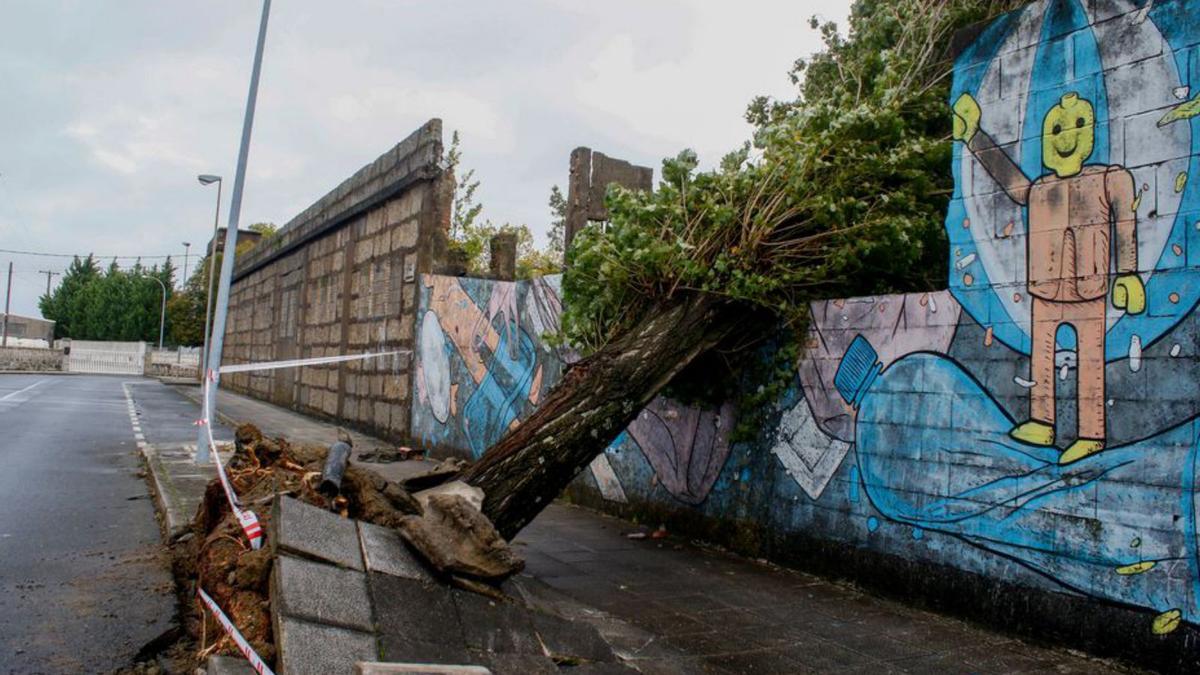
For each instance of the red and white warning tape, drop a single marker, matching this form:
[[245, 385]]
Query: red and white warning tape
[[256, 661], [246, 518]]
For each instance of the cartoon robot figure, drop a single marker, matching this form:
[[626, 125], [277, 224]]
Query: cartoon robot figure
[[1073, 213]]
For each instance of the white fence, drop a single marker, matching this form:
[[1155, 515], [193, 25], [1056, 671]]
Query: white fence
[[183, 356], [116, 358]]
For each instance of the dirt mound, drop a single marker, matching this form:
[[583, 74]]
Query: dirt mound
[[215, 555]]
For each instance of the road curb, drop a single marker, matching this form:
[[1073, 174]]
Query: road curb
[[195, 398], [166, 497]]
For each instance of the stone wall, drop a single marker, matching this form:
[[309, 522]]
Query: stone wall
[[1022, 447], [340, 279], [21, 358]]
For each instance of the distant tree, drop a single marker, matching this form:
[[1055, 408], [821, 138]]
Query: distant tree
[[115, 305], [558, 225], [267, 230], [185, 309], [63, 305]]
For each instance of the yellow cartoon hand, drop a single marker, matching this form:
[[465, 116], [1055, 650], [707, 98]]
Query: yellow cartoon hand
[[966, 118], [1129, 294]]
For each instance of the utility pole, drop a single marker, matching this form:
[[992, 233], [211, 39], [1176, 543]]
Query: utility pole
[[217, 340], [187, 246], [48, 274], [7, 302]]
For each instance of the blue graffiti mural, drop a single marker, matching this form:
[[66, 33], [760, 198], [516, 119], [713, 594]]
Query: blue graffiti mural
[[1036, 422]]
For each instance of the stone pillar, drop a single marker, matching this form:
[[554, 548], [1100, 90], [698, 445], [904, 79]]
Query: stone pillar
[[578, 185], [504, 256]]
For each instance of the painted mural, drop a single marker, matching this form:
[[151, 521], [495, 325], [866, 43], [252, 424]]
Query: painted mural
[[483, 365], [1037, 422]]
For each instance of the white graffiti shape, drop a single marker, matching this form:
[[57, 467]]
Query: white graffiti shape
[[606, 479], [435, 367], [809, 456]]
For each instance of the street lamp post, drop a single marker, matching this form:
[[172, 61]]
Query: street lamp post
[[187, 246], [231, 225], [208, 179], [162, 314]]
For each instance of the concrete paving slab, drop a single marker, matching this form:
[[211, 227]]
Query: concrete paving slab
[[313, 649], [322, 593], [312, 532], [228, 665], [418, 669], [384, 551], [414, 611], [496, 627]]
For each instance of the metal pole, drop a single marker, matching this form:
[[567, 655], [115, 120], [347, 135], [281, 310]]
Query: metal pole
[[7, 300], [48, 273], [162, 315], [201, 436], [187, 247], [217, 337]]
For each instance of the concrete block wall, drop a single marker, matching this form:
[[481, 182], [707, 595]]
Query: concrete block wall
[[340, 279], [892, 459], [23, 358]]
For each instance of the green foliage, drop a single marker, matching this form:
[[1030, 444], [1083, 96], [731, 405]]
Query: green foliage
[[65, 305], [185, 309], [267, 230], [116, 305], [558, 225], [842, 192]]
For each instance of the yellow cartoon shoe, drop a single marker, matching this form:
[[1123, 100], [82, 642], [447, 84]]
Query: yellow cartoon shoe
[[1034, 432], [1083, 447]]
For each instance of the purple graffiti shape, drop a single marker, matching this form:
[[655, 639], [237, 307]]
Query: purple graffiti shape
[[686, 446]]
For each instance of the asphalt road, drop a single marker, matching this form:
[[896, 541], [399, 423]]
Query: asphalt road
[[83, 580]]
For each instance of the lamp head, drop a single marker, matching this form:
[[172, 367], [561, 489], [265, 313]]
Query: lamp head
[[208, 179]]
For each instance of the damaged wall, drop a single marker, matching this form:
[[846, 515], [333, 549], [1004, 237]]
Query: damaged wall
[[1022, 446], [340, 278]]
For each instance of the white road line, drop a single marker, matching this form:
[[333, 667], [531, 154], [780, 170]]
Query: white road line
[[20, 391]]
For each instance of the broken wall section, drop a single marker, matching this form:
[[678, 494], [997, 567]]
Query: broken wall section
[[341, 278]]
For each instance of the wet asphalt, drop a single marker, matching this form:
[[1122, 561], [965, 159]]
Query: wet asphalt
[[84, 583]]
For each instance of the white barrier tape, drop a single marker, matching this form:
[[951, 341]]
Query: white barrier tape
[[314, 361], [247, 519], [255, 660]]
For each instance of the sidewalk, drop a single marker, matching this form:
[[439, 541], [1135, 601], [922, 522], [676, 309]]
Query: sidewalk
[[691, 609]]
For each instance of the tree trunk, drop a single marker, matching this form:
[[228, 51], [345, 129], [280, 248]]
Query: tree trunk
[[597, 398]]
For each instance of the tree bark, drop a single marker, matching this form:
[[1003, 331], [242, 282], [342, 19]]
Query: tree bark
[[597, 398]]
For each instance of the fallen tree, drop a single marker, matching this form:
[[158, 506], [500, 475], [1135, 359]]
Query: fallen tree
[[842, 193]]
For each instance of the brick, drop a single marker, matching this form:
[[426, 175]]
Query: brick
[[306, 647], [386, 553], [309, 531], [321, 593]]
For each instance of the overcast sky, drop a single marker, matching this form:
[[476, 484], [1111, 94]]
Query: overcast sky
[[111, 107]]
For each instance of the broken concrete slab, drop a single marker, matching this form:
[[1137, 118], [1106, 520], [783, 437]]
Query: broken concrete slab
[[566, 638], [455, 538], [312, 532], [380, 668], [310, 648], [472, 494], [384, 551], [521, 664], [228, 665], [415, 611], [496, 627], [322, 593]]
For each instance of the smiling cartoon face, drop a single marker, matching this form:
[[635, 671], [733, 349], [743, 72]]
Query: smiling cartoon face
[[1068, 134]]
